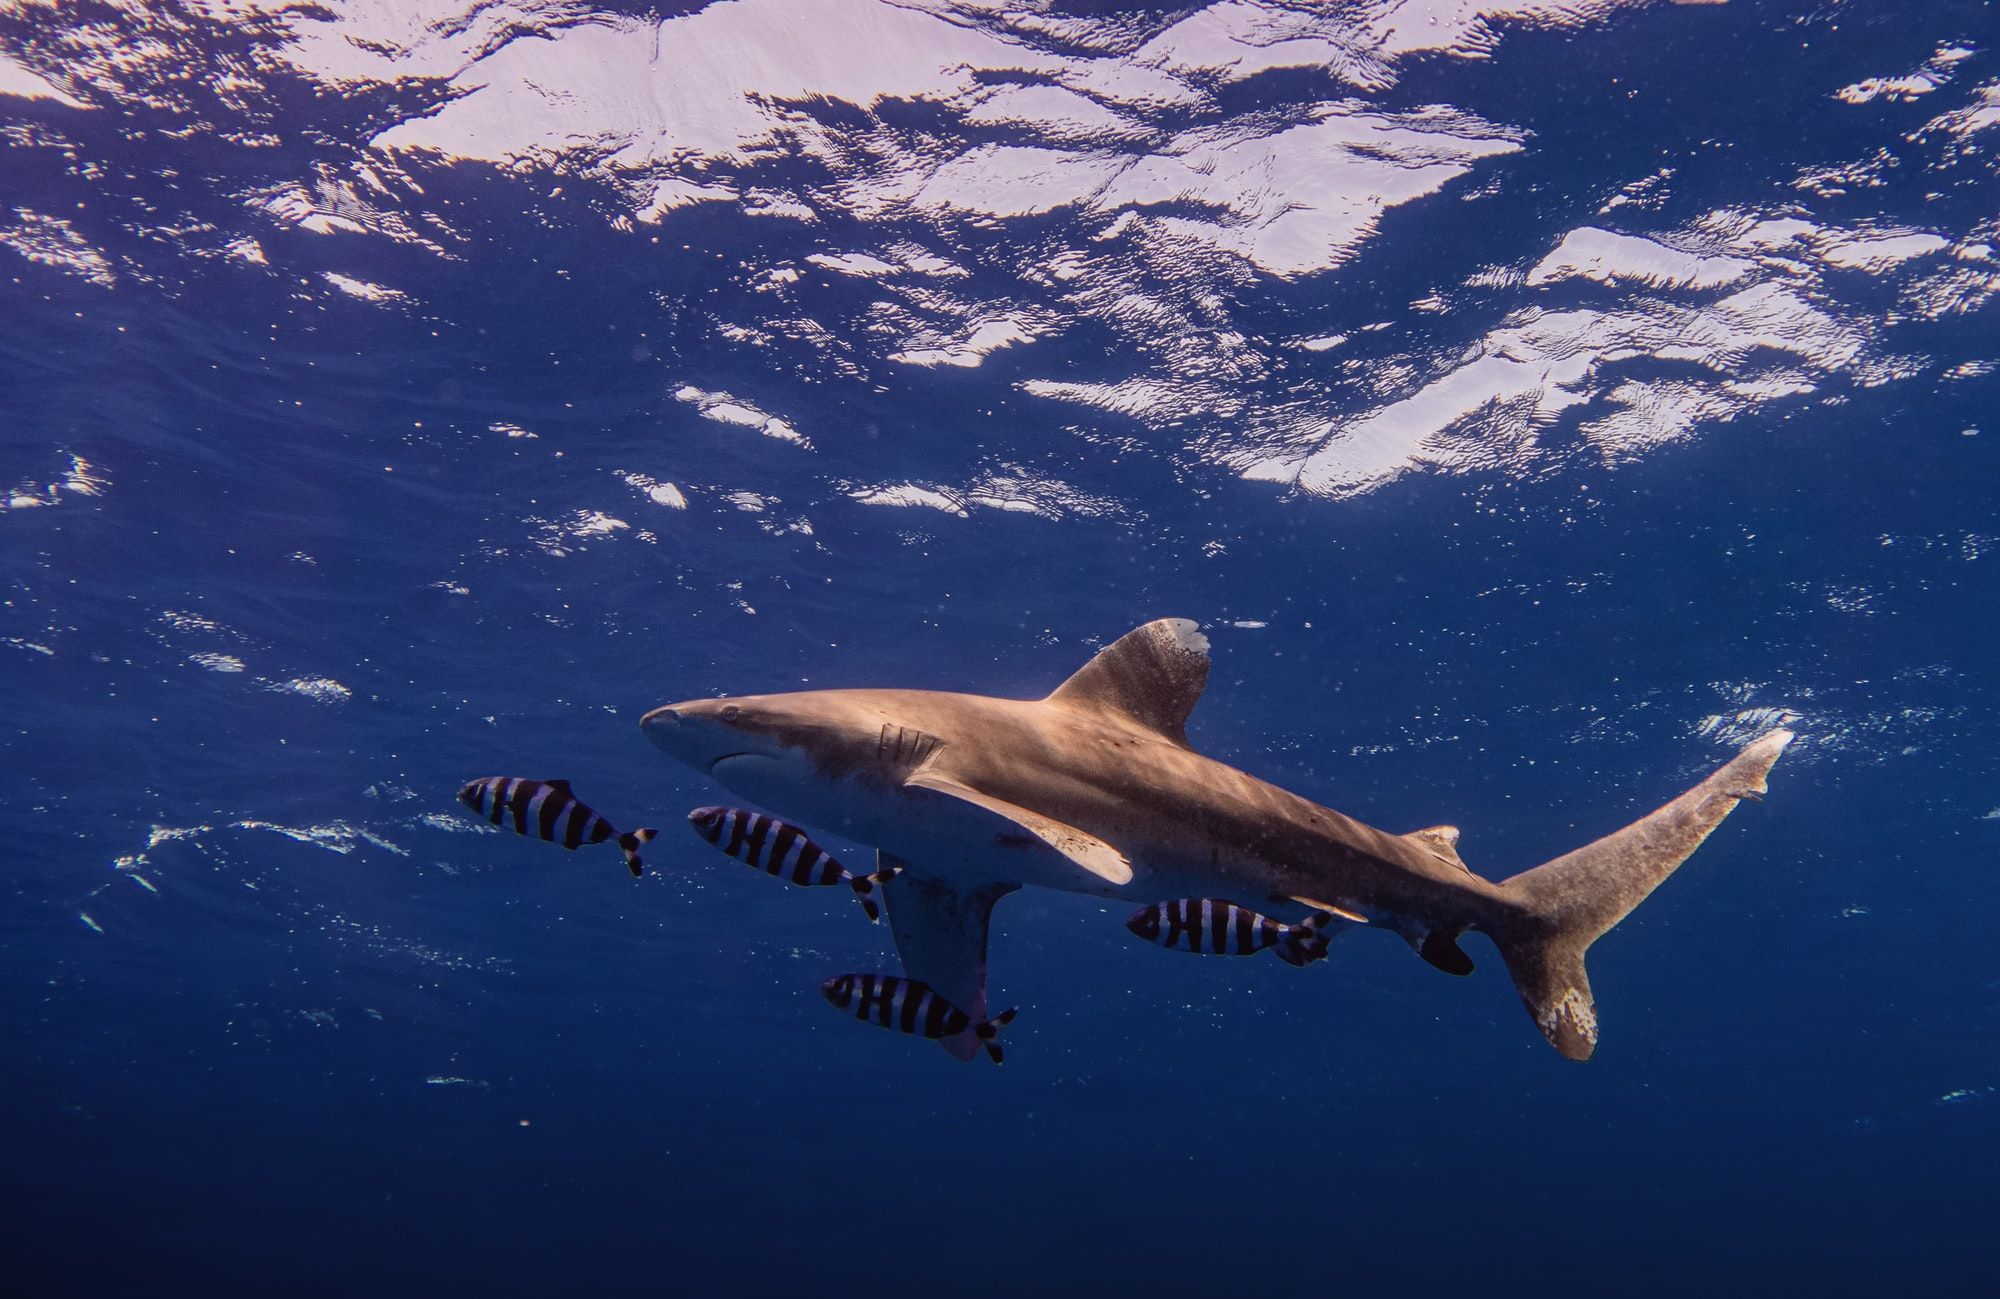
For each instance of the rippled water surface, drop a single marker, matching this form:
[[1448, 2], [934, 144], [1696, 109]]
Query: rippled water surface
[[1533, 402]]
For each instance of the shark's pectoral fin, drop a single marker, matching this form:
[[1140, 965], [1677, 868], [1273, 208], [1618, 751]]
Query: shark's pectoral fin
[[1085, 849], [940, 926]]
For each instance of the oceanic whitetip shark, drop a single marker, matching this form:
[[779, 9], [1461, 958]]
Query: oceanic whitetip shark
[[1096, 790]]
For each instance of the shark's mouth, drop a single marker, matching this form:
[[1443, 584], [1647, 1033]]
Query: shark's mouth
[[715, 766]]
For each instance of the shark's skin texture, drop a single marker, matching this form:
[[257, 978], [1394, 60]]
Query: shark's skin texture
[[1095, 790]]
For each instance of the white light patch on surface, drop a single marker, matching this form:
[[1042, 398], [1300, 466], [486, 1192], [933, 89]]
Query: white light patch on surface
[[323, 690], [700, 88], [725, 409], [25, 84], [657, 491], [362, 289], [54, 241], [987, 336], [1983, 112], [1593, 254], [856, 264], [83, 479], [909, 494], [1879, 252]]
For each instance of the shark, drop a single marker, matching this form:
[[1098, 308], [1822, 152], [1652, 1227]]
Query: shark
[[1095, 789]]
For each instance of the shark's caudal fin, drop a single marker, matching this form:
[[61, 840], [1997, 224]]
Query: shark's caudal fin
[[630, 843], [1569, 903]]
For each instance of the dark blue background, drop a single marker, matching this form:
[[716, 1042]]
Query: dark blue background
[[227, 1088]]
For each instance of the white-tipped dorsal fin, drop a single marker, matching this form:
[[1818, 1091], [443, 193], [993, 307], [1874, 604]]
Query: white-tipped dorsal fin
[[1153, 675], [1081, 847], [1442, 840]]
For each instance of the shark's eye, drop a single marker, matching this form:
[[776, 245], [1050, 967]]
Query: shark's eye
[[730, 712]]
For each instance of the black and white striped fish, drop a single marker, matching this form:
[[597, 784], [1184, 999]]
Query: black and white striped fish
[[547, 810], [782, 849], [1217, 926], [910, 1007]]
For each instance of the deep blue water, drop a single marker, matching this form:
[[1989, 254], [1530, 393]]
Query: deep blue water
[[363, 430]]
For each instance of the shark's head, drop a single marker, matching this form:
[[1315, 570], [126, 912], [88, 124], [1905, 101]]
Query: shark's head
[[803, 754], [720, 736]]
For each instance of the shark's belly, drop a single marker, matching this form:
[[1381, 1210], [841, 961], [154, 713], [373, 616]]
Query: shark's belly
[[944, 837]]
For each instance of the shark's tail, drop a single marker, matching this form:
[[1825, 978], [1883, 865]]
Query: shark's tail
[[1567, 904], [629, 844], [864, 889]]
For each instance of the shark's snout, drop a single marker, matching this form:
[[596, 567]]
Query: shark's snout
[[672, 730], [703, 732]]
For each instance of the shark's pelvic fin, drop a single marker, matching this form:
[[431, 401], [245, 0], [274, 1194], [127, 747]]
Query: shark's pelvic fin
[[1085, 849], [1442, 842], [1153, 676], [940, 926], [1351, 917]]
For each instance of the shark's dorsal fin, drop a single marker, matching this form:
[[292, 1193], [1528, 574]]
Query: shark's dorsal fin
[[1153, 675], [1442, 840], [1081, 847]]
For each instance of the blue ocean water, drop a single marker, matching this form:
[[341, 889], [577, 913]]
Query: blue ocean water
[[1533, 402]]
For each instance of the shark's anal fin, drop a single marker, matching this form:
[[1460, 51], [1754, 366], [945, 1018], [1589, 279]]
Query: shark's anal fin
[[1153, 675], [1441, 949], [940, 926], [1086, 850]]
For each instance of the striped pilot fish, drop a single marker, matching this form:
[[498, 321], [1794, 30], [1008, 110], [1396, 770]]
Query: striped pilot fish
[[1217, 926], [547, 810], [782, 849], [910, 1007]]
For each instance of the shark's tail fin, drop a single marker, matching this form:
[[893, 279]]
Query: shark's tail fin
[[989, 1033], [1567, 904], [629, 843], [864, 889]]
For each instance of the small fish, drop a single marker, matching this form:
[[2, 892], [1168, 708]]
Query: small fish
[[911, 1007], [782, 849], [547, 810], [1218, 926]]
